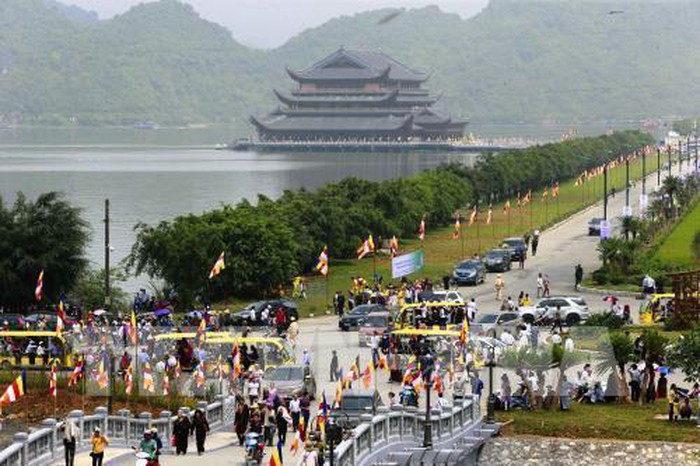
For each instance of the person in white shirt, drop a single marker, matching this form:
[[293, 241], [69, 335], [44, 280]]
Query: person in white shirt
[[556, 339], [71, 432], [534, 383], [507, 338], [540, 285], [569, 345], [374, 345]]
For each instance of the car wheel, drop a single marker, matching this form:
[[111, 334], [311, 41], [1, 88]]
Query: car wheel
[[572, 319]]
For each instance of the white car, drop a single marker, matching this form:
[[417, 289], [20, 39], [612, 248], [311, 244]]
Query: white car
[[572, 309], [447, 296]]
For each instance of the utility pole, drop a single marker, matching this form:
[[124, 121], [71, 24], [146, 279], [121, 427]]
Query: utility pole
[[107, 303], [605, 191]]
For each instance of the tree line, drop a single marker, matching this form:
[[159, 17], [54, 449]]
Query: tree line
[[270, 242]]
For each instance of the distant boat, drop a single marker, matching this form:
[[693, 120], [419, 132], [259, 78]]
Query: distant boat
[[145, 125]]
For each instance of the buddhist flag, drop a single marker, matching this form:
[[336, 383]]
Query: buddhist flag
[[545, 193], [39, 285], [296, 443], [338, 394], [178, 369], [437, 383], [202, 330], [199, 377], [166, 384], [368, 375], [60, 316], [53, 381], [236, 367], [275, 459], [472, 217], [506, 207], [394, 246], [421, 229], [383, 364], [219, 369], [463, 332], [555, 190], [15, 391], [365, 248], [77, 373], [322, 265], [455, 233], [102, 377], [133, 329], [219, 265], [417, 385], [128, 380], [148, 384], [489, 215]]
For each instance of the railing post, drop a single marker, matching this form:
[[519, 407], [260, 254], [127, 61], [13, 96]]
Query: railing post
[[51, 423], [21, 438], [167, 417], [126, 414], [102, 412]]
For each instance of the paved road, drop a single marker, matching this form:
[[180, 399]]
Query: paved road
[[560, 249]]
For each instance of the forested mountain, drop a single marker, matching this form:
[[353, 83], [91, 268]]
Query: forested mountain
[[515, 61]]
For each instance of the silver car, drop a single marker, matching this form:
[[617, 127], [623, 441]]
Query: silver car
[[290, 380], [572, 309]]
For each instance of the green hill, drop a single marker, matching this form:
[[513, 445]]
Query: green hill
[[516, 61]]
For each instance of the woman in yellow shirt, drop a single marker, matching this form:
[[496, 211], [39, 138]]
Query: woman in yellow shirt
[[99, 443]]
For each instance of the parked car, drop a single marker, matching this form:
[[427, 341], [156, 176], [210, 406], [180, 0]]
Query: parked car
[[290, 380], [469, 272], [594, 226], [376, 322], [243, 318], [354, 318], [498, 260], [12, 321], [573, 310], [517, 246], [354, 404], [493, 324], [444, 296]]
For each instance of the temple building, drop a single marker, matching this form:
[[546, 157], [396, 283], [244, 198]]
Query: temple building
[[354, 95]]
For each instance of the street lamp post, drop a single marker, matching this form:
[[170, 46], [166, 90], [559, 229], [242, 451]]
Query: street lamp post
[[491, 406], [627, 181], [644, 171], [658, 167], [427, 376]]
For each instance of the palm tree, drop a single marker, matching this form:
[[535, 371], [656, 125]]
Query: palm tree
[[563, 360], [654, 352], [524, 360], [616, 351]]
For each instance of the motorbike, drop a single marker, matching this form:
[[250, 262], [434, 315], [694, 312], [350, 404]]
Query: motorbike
[[254, 446], [143, 459]]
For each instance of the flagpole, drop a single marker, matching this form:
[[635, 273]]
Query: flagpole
[[461, 234], [328, 303], [530, 201], [478, 237], [508, 215]]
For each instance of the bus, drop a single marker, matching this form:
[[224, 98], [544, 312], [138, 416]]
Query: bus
[[20, 347]]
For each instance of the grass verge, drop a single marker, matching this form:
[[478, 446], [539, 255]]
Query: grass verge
[[675, 248]]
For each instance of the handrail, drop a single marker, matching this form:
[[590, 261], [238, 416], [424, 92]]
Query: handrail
[[42, 446]]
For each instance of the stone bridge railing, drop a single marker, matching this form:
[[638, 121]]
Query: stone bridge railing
[[403, 427], [44, 445]]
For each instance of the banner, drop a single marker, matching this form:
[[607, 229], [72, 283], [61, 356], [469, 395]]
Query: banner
[[407, 264], [605, 229]]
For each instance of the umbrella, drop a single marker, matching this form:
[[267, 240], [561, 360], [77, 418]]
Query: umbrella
[[611, 299], [99, 312], [162, 312]]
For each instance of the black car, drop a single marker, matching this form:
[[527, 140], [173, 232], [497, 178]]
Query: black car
[[243, 318], [354, 318], [498, 260], [594, 226], [518, 248], [469, 272]]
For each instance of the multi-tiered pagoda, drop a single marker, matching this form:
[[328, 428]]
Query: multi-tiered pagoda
[[358, 96]]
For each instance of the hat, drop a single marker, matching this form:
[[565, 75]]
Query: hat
[[154, 430], [97, 430]]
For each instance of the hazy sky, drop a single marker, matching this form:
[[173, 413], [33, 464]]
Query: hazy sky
[[269, 23]]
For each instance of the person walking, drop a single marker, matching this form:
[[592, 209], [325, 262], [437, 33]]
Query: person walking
[[578, 277], [545, 285], [181, 432], [282, 419], [200, 427], [241, 419], [334, 366], [635, 382], [71, 432], [535, 241], [295, 411], [305, 405], [99, 442], [499, 285], [540, 285]]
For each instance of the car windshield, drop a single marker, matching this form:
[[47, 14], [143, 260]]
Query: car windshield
[[365, 309], [375, 321], [494, 255], [286, 373], [595, 221], [487, 319], [356, 403], [514, 242], [467, 265], [579, 301]]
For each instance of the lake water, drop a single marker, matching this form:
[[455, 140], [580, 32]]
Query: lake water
[[156, 175]]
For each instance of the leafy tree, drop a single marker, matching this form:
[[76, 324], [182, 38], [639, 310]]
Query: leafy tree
[[89, 290], [654, 353], [616, 350], [47, 234], [685, 355]]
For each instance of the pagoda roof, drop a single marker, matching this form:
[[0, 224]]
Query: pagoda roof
[[428, 117], [377, 98], [357, 65], [325, 124]]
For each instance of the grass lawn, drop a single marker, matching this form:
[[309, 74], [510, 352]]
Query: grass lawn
[[676, 247], [608, 421], [442, 252]]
